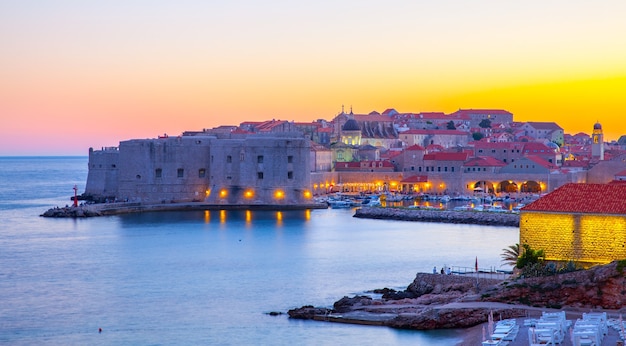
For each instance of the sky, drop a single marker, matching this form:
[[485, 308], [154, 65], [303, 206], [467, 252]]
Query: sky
[[80, 74]]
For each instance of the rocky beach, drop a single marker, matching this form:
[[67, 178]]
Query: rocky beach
[[437, 301]]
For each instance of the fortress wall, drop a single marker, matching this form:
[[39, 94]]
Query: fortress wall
[[103, 173], [585, 238], [179, 161], [254, 169]]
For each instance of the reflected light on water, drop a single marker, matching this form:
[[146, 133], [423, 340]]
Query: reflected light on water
[[207, 216], [222, 216]]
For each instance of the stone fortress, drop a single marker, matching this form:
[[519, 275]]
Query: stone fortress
[[223, 170]]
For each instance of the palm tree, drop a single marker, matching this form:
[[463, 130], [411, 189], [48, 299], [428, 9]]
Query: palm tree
[[510, 254]]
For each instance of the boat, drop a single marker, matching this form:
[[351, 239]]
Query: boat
[[339, 204]]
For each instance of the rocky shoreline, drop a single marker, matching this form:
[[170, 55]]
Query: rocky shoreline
[[442, 216], [435, 301]]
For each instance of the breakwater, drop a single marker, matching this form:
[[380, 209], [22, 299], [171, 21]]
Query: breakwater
[[444, 216], [102, 209]]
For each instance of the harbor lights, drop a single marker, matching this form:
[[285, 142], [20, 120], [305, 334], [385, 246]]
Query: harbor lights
[[279, 194], [223, 193], [307, 194], [248, 194]]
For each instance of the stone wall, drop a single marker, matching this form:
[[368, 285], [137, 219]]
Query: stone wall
[[445, 216], [584, 238]]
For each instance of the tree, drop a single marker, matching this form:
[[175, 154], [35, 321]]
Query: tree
[[477, 136], [450, 125], [510, 255], [529, 257], [485, 123]]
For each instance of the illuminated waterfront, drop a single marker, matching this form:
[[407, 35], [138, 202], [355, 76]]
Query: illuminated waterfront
[[204, 277]]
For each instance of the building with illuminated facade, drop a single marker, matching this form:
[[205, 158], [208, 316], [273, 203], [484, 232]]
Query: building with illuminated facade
[[231, 169], [584, 223]]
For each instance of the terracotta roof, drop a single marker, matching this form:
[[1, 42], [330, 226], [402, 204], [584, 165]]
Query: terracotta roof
[[621, 173], [542, 162], [583, 198], [415, 179], [544, 125], [480, 111], [484, 161], [442, 156], [415, 147], [372, 117], [434, 132]]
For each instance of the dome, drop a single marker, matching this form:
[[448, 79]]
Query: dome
[[351, 125], [597, 126]]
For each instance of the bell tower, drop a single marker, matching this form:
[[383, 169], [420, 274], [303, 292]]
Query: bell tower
[[597, 142]]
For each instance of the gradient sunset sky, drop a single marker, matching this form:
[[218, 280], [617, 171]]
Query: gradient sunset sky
[[80, 74]]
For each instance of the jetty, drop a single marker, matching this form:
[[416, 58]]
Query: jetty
[[443, 216]]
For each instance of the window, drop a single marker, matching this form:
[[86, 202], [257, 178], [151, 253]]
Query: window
[[158, 173], [229, 159], [241, 156], [419, 169], [438, 169], [259, 175], [259, 159], [201, 173], [445, 169], [452, 168], [290, 175], [180, 173], [290, 159]]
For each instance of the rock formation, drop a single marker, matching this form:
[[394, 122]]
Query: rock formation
[[434, 301]]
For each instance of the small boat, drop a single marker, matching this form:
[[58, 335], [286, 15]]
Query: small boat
[[339, 204]]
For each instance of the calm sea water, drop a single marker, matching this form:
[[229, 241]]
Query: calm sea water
[[204, 277]]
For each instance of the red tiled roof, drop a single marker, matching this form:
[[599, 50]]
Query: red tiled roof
[[443, 156], [542, 162], [415, 179], [480, 111], [583, 198], [484, 161], [434, 132], [620, 173], [415, 147]]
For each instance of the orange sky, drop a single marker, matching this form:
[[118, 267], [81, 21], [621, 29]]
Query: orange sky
[[75, 75]]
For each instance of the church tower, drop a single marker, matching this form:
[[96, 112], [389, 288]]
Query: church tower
[[597, 142]]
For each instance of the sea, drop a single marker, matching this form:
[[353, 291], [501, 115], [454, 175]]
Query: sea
[[206, 277]]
